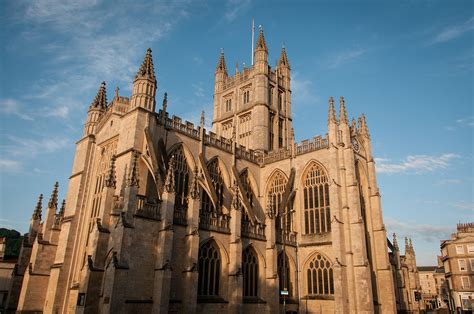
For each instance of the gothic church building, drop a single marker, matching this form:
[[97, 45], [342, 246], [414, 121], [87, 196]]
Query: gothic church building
[[164, 216]]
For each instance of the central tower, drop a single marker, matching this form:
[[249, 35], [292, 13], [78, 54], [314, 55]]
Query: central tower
[[253, 107]]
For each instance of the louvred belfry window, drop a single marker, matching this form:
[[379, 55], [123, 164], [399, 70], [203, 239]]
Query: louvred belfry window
[[209, 269], [317, 215]]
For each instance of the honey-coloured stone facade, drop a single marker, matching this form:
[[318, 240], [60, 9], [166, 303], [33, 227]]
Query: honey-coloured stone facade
[[163, 216]]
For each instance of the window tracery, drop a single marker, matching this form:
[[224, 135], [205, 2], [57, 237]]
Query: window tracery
[[317, 215], [209, 268], [319, 276]]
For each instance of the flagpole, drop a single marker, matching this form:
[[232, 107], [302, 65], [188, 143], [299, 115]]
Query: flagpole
[[253, 36]]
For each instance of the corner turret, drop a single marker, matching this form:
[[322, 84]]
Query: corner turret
[[96, 110], [144, 85], [261, 54]]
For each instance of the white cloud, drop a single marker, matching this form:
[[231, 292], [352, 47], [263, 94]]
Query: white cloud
[[9, 165], [415, 164], [449, 181], [235, 7], [345, 57], [29, 147], [303, 90], [453, 32], [14, 107], [100, 45], [427, 232], [466, 122], [464, 205]]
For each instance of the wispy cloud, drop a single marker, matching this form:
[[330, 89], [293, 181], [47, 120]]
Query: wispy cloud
[[236, 7], [449, 181], [464, 205], [346, 56], [14, 107], [453, 32], [30, 147], [415, 164], [427, 232], [466, 122], [303, 90], [91, 46], [9, 165]]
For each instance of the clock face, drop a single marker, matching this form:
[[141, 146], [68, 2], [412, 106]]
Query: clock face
[[355, 145]]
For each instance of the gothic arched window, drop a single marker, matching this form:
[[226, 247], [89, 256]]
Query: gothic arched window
[[209, 269], [319, 276], [250, 272], [218, 182], [181, 181], [317, 216], [275, 195], [284, 278], [275, 192]]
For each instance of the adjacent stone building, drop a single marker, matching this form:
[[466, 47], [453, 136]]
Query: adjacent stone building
[[457, 255], [406, 277], [165, 216]]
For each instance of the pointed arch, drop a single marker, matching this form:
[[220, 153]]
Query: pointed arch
[[220, 245], [309, 165], [274, 188], [252, 180], [209, 268], [318, 275], [182, 174], [224, 171], [187, 153], [250, 270], [316, 203]]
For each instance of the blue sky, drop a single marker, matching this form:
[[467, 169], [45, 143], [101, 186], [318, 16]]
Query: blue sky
[[408, 65]]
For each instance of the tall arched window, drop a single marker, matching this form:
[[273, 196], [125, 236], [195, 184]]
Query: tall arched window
[[218, 182], [209, 269], [250, 272], [319, 276], [210, 217], [181, 181], [275, 195], [284, 278], [250, 229], [317, 216], [276, 190]]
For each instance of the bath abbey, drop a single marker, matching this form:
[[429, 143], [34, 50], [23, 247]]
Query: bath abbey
[[166, 216]]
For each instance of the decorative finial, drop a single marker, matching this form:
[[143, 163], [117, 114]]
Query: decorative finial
[[407, 247], [270, 209], [147, 69], [165, 102], [203, 120], [100, 100], [133, 176], [342, 110], [38, 208], [395, 242], [363, 129], [169, 183], [116, 92], [411, 245], [235, 196], [194, 191], [110, 180], [53, 200], [332, 112], [60, 215]]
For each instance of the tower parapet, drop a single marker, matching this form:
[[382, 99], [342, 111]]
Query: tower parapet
[[255, 102]]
